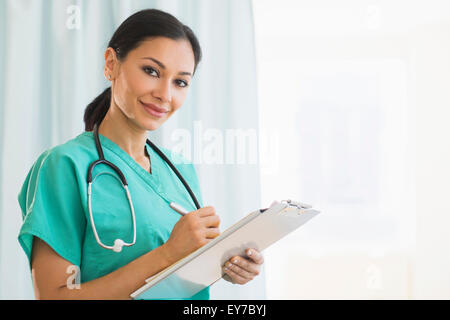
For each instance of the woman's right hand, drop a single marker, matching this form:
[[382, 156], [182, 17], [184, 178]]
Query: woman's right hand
[[192, 231]]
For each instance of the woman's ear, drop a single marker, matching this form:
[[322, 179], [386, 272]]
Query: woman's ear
[[110, 63]]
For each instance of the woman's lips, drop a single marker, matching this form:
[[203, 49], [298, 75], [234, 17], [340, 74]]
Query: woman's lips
[[154, 110]]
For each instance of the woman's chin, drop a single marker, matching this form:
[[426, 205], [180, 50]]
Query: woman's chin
[[152, 125]]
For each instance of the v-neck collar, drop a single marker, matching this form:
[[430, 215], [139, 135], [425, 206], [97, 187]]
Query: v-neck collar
[[153, 179]]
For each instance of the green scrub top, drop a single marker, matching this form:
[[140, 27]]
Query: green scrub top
[[54, 204]]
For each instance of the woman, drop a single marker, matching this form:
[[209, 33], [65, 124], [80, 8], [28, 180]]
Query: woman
[[67, 226]]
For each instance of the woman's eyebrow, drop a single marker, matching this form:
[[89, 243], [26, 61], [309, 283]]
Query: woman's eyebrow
[[159, 63]]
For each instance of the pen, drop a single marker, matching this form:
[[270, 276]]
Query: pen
[[178, 208]]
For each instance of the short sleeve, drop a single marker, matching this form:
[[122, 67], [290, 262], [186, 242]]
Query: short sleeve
[[51, 207]]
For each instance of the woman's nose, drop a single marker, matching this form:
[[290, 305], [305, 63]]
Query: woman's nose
[[163, 92]]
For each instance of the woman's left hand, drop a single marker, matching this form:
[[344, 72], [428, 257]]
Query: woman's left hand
[[241, 270]]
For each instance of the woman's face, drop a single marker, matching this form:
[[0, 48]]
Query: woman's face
[[152, 82]]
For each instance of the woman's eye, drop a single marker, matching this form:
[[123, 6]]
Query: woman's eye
[[150, 71], [181, 83]]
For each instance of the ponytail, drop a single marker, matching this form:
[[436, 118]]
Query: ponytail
[[97, 109]]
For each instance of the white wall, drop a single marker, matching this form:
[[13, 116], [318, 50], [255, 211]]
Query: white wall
[[432, 65], [358, 93]]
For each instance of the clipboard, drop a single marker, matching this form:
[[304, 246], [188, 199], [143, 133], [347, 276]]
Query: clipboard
[[203, 267]]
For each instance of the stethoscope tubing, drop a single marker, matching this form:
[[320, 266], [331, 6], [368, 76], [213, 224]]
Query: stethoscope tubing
[[118, 243]]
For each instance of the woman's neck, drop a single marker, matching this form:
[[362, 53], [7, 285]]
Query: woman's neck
[[117, 128]]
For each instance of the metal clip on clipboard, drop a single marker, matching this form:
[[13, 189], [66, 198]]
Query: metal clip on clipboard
[[291, 203], [297, 204]]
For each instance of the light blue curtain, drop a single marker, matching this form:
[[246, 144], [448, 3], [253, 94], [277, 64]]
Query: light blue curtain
[[51, 68]]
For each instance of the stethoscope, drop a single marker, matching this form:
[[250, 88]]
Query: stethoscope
[[119, 243]]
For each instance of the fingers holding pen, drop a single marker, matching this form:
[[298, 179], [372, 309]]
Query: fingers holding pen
[[203, 218], [210, 225], [211, 221], [212, 233], [205, 211], [192, 231], [208, 222]]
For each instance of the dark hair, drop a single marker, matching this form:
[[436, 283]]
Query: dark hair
[[134, 30]]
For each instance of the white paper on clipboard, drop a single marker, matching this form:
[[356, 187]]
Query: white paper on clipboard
[[203, 267]]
